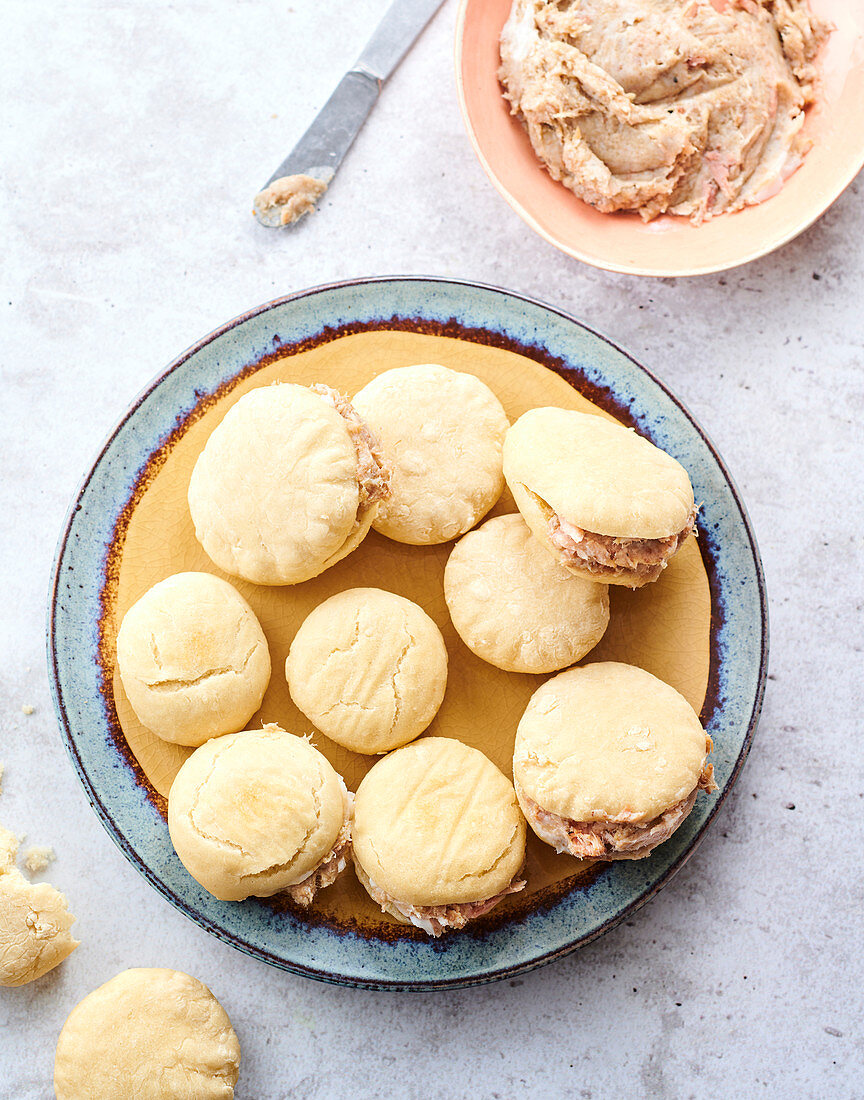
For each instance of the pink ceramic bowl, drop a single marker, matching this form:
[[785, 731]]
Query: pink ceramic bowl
[[669, 245]]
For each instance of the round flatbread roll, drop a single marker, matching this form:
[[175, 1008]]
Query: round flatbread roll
[[606, 502], [438, 835], [369, 669], [608, 760], [515, 606], [258, 812], [150, 1034], [34, 922], [287, 485], [193, 659], [442, 431]]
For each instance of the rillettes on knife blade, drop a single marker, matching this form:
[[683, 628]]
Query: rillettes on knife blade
[[310, 166]]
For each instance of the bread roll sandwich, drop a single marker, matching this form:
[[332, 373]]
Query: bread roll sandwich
[[258, 813], [287, 484], [606, 502], [608, 761], [439, 839]]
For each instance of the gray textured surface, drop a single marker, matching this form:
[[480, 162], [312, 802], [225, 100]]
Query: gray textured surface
[[133, 138]]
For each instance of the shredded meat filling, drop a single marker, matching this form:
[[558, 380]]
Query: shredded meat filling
[[329, 869], [608, 840], [606, 555], [436, 919], [694, 107], [373, 472]]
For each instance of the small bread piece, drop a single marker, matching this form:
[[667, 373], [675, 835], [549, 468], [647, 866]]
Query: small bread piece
[[34, 922], [608, 760], [438, 835], [369, 669], [286, 486], [257, 812], [515, 606], [193, 659], [38, 858], [151, 1034], [606, 502], [443, 432]]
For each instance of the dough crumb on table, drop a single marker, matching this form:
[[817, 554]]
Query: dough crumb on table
[[296, 195], [28, 708], [37, 858], [688, 107]]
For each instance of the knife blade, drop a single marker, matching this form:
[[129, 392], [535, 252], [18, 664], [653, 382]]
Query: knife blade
[[319, 152]]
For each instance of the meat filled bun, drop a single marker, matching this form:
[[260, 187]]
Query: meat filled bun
[[260, 812], [443, 431], [287, 485], [608, 761], [608, 504], [438, 835]]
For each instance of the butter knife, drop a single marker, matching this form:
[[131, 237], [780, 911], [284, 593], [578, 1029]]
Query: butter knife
[[310, 166]]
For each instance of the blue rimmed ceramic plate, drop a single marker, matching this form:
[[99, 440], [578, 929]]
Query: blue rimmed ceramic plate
[[703, 627]]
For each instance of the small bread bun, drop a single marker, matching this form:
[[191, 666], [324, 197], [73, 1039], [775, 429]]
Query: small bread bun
[[253, 813], [275, 495], [608, 743], [34, 922], [515, 606], [443, 432], [436, 823], [148, 1034], [193, 659], [573, 474], [369, 669]]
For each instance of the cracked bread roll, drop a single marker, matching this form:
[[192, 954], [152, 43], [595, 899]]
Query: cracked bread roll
[[442, 431], [255, 813], [34, 922], [151, 1034], [607, 503], [193, 659], [438, 835], [608, 761], [516, 607], [369, 669], [287, 484]]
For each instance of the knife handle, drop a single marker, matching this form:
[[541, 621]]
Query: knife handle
[[334, 128]]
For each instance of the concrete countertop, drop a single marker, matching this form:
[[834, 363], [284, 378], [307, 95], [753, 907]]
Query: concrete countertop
[[133, 137]]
